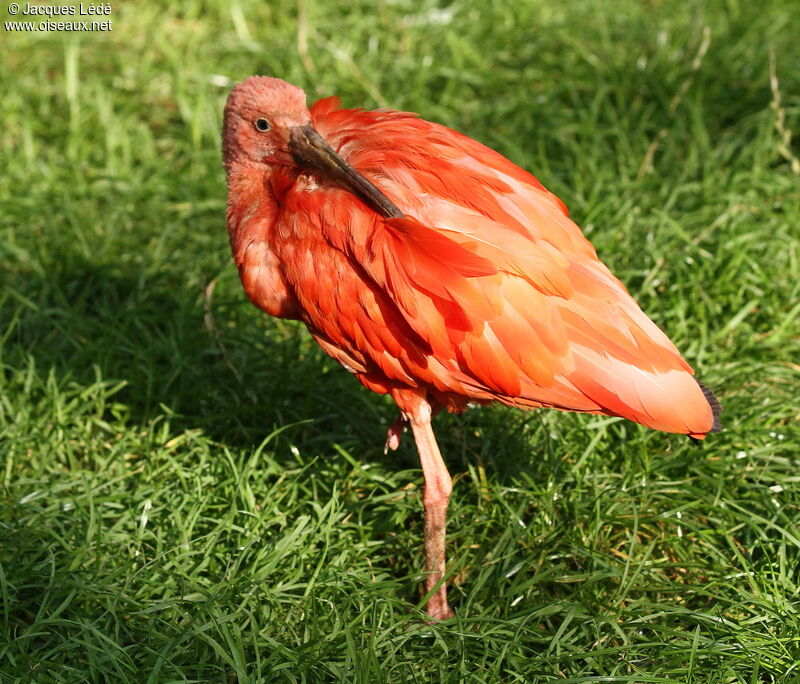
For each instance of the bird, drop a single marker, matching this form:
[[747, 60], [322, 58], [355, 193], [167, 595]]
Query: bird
[[440, 273]]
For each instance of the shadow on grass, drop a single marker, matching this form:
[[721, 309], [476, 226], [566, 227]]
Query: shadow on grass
[[83, 318]]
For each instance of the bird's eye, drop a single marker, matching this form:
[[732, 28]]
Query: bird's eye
[[262, 124]]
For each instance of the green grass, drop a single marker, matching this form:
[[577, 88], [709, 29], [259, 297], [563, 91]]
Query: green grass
[[193, 492]]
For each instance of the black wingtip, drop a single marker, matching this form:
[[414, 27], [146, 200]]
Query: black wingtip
[[716, 408], [713, 402]]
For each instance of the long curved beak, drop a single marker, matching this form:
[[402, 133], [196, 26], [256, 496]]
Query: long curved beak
[[310, 150]]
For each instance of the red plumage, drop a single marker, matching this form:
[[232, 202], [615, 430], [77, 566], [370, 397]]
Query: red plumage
[[470, 283]]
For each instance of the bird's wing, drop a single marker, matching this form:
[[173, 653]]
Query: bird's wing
[[502, 293]]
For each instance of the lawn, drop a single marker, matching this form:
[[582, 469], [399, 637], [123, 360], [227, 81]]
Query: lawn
[[192, 491]]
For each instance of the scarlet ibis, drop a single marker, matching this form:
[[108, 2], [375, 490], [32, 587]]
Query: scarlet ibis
[[439, 272]]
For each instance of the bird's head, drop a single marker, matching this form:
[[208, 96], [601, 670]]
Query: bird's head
[[260, 115], [267, 123]]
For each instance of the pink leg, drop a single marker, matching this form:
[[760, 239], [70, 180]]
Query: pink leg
[[435, 499]]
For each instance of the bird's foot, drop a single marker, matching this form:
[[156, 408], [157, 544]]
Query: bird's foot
[[393, 435]]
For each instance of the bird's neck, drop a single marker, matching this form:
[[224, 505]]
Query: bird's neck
[[252, 206], [253, 214]]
